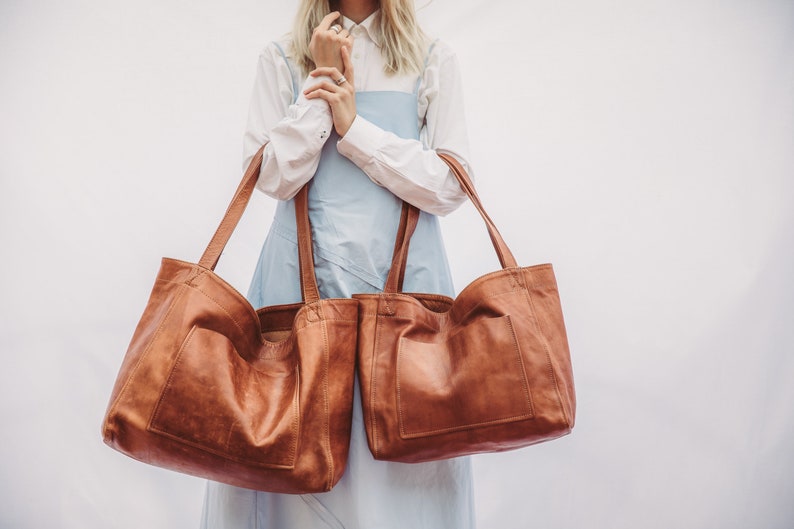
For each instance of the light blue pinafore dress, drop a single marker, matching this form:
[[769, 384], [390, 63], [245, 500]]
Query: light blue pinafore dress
[[354, 224]]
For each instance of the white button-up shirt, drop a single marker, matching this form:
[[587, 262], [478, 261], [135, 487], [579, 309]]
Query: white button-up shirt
[[297, 132]]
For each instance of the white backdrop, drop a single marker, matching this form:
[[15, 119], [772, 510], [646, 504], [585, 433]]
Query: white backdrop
[[646, 148]]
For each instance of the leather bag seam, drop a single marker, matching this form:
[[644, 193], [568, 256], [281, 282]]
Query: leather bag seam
[[327, 416], [373, 390], [544, 341], [146, 350]]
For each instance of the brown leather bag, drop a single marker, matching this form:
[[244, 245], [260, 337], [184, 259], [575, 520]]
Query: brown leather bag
[[210, 387], [485, 372]]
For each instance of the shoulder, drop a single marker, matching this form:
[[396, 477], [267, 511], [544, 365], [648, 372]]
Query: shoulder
[[275, 61], [276, 72], [440, 65], [277, 51], [439, 53]]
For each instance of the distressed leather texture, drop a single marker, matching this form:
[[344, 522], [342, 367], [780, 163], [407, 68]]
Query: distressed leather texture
[[485, 372], [260, 399]]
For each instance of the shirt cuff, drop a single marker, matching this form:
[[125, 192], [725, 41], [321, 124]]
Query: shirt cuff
[[362, 141], [308, 83]]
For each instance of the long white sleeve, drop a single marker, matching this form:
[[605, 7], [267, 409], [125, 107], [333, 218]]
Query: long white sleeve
[[295, 133], [411, 169]]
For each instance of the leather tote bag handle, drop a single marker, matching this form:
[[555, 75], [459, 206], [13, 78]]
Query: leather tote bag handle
[[506, 258], [309, 288], [408, 221], [410, 217], [242, 196]]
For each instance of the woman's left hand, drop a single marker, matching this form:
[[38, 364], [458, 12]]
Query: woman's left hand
[[340, 96]]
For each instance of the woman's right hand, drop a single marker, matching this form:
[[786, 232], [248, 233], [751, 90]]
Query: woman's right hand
[[326, 44]]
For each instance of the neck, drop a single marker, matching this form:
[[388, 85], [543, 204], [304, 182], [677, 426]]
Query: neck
[[358, 10]]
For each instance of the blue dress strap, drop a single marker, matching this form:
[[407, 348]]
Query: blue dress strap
[[422, 74], [291, 72]]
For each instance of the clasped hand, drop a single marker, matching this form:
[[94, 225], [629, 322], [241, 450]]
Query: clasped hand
[[330, 49]]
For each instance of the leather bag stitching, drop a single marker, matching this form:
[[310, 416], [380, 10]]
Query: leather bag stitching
[[134, 370]]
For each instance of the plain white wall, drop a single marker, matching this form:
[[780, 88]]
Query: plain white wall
[[645, 148]]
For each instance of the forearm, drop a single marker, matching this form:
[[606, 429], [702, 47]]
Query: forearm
[[411, 168], [405, 167], [294, 132]]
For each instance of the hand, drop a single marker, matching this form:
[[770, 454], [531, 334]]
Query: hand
[[326, 44], [340, 97]]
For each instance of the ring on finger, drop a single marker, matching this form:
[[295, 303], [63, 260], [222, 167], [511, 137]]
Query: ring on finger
[[337, 28], [341, 80]]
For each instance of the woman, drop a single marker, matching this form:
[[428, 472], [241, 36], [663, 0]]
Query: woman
[[356, 102]]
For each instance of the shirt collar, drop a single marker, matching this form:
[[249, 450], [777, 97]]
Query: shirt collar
[[371, 25]]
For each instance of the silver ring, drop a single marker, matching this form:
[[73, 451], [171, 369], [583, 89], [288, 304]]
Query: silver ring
[[341, 80], [337, 28]]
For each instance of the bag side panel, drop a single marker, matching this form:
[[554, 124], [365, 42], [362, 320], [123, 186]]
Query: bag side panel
[[166, 293], [542, 288]]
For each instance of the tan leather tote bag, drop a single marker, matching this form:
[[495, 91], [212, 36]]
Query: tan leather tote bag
[[485, 372], [260, 399]]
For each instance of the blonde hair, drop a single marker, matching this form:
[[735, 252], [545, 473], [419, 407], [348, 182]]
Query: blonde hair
[[402, 40]]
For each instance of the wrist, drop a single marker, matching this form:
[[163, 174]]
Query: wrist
[[345, 127]]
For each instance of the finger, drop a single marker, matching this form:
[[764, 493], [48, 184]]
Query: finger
[[348, 64], [318, 94], [315, 92], [323, 86], [344, 34], [325, 23], [330, 71], [329, 97], [348, 41]]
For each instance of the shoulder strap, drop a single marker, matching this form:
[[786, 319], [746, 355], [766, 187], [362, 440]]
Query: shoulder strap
[[291, 72], [212, 253], [232, 217], [410, 217], [422, 73]]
